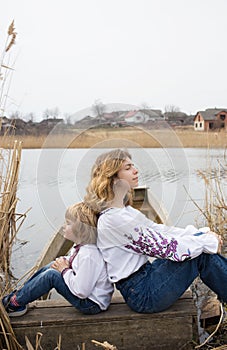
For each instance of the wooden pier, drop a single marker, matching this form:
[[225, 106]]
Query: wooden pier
[[175, 328]]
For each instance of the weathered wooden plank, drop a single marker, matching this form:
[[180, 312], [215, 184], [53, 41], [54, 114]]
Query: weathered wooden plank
[[67, 313], [126, 335], [170, 329], [211, 309]]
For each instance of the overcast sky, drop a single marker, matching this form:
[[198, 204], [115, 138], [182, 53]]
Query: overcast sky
[[159, 52]]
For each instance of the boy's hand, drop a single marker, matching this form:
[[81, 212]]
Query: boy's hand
[[60, 264]]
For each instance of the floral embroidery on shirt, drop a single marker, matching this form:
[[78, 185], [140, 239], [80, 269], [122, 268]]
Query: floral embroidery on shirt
[[153, 244]]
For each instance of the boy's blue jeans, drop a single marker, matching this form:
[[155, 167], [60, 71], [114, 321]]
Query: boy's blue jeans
[[157, 285], [43, 281]]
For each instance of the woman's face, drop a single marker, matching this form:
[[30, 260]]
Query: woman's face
[[129, 173]]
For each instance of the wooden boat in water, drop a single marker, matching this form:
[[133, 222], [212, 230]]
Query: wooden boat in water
[[143, 200]]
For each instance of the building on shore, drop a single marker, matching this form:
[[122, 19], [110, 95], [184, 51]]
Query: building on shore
[[211, 119]]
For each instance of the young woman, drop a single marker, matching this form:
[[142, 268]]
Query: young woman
[[80, 277], [126, 238]]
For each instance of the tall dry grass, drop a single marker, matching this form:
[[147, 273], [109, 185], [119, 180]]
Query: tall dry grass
[[214, 209], [214, 214], [143, 138], [9, 166], [10, 221], [9, 172]]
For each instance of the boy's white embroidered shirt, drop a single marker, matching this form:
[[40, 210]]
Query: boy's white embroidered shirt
[[88, 276]]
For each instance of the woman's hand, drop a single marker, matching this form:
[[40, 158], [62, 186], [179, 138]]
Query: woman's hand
[[60, 264], [220, 240]]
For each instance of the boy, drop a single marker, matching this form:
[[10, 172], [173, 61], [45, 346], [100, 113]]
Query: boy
[[81, 277]]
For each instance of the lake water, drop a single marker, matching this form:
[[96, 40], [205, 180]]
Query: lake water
[[52, 179]]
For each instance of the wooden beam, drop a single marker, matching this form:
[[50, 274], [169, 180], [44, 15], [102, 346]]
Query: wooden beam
[[173, 328]]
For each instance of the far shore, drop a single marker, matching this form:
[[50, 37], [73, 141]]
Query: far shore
[[131, 137]]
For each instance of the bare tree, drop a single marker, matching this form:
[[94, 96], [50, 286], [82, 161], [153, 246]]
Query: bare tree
[[171, 111], [145, 105], [55, 112], [67, 118], [15, 115], [51, 113], [30, 117], [144, 108], [46, 114], [98, 108]]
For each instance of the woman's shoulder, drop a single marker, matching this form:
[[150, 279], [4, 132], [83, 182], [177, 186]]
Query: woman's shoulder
[[118, 217], [112, 214], [116, 210]]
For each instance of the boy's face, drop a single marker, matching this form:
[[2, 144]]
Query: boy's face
[[69, 230]]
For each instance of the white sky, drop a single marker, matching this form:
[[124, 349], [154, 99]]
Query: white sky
[[159, 52]]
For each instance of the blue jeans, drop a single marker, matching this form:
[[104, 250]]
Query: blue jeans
[[157, 285], [43, 281]]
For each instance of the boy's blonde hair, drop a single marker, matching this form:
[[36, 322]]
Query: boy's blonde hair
[[100, 189], [85, 222]]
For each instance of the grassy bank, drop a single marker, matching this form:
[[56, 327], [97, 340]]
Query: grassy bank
[[126, 137]]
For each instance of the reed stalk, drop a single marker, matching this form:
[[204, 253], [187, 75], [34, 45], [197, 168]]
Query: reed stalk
[[214, 215], [10, 157], [214, 209], [10, 223], [9, 174]]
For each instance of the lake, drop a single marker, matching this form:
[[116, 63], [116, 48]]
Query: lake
[[52, 179]]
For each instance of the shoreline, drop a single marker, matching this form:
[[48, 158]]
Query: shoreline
[[127, 137]]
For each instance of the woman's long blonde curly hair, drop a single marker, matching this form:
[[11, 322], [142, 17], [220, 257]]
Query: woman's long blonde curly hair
[[100, 189]]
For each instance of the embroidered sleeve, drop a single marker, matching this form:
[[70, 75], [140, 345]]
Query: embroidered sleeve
[[145, 240], [149, 242]]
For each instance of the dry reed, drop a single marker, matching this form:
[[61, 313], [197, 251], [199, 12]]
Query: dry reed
[[214, 213], [139, 137], [215, 202], [9, 224], [6, 68], [11, 36], [9, 173]]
